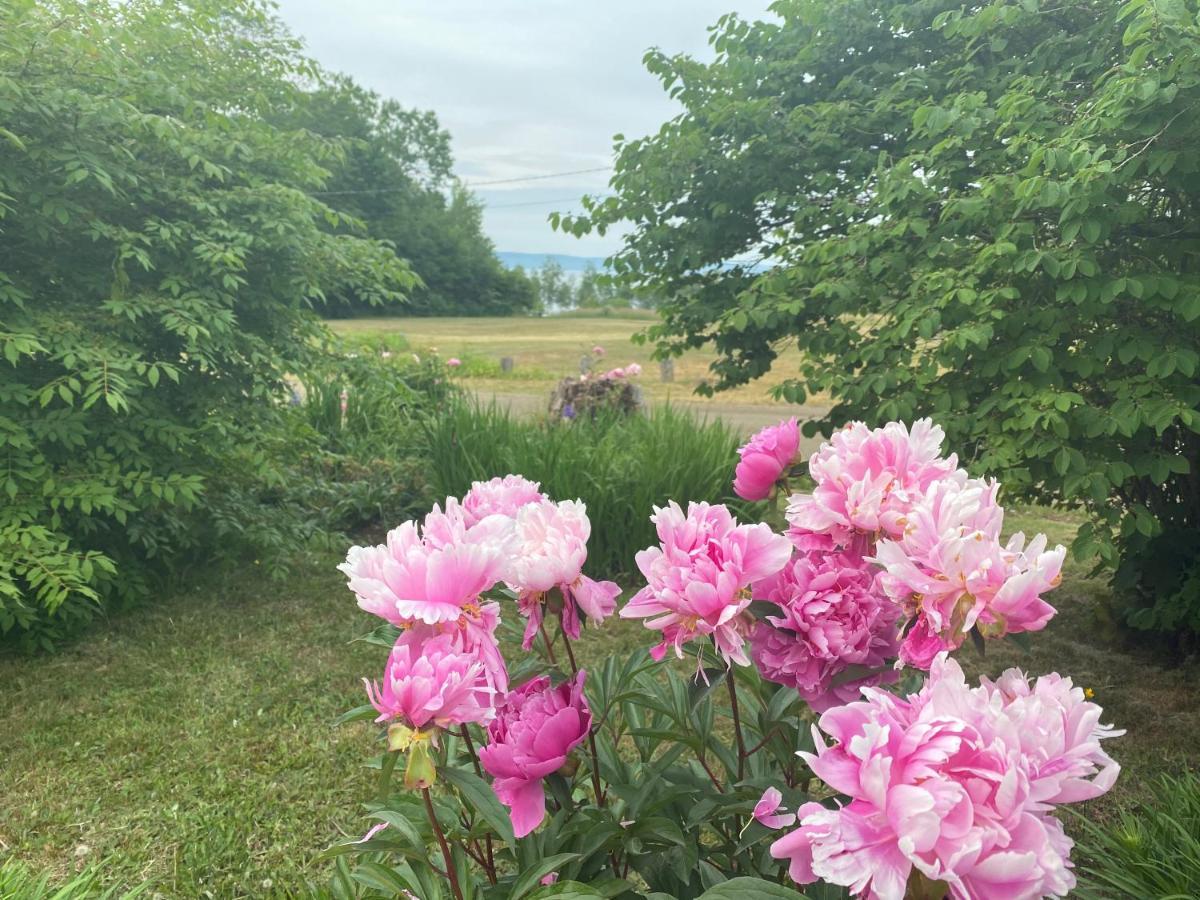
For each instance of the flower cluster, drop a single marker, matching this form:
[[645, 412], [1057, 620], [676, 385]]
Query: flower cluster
[[887, 498], [954, 785], [894, 558], [446, 669]]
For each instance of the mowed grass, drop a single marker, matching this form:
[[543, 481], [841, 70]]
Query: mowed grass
[[193, 744], [546, 349]]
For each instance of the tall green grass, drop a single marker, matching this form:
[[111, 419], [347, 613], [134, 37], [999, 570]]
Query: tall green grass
[[621, 467], [19, 882], [1151, 850]]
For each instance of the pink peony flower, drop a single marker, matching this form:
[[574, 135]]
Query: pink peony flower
[[953, 785], [429, 574], [613, 374], [765, 458], [499, 497], [552, 878], [950, 571], [832, 618], [550, 550], [767, 812], [633, 370], [867, 481], [598, 350], [699, 578], [431, 680], [535, 730], [453, 362]]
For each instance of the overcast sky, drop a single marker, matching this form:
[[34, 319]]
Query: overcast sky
[[525, 87]]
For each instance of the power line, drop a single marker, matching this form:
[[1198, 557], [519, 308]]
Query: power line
[[574, 199], [538, 177], [471, 184]]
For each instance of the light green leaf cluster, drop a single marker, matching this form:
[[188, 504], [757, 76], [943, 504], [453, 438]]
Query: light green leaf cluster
[[160, 256], [986, 214]]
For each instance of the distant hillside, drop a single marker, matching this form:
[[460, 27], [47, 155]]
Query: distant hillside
[[537, 260]]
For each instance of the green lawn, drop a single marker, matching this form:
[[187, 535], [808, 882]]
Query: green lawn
[[192, 743]]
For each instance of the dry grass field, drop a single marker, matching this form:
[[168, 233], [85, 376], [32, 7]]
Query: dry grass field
[[546, 349]]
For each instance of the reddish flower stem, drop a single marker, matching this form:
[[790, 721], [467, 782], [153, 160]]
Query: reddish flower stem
[[441, 838]]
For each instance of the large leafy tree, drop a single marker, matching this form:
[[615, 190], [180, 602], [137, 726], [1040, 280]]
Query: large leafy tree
[[987, 214], [161, 252], [395, 176]]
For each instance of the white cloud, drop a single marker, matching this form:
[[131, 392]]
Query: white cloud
[[525, 87]]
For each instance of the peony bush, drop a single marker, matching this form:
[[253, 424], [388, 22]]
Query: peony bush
[[820, 730]]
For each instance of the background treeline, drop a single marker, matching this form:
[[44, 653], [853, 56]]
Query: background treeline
[[165, 243], [393, 174], [556, 290]]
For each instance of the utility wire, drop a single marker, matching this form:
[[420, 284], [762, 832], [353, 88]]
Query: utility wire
[[470, 184], [574, 199]]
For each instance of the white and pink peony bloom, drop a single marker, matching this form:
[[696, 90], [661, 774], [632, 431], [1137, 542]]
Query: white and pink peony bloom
[[954, 785], [431, 680], [700, 577], [949, 570], [867, 480], [765, 459], [429, 574], [832, 617], [536, 729], [549, 553], [500, 497]]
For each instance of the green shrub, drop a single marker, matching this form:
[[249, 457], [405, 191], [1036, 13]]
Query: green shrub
[[619, 466], [980, 212], [159, 258], [1151, 850]]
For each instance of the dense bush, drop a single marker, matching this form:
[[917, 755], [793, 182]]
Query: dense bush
[[983, 213], [1151, 850], [620, 466], [159, 258]]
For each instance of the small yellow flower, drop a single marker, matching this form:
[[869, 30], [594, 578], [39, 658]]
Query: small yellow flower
[[1089, 693]]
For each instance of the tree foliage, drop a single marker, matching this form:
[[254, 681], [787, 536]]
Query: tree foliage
[[395, 175], [160, 254], [984, 213]]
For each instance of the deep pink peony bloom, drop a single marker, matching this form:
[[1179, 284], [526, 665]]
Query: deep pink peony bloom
[[549, 553], [431, 680], [454, 362], [832, 617], [867, 481], [535, 730], [429, 574], [613, 374], [954, 783], [699, 578], [950, 570], [500, 497], [765, 458]]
